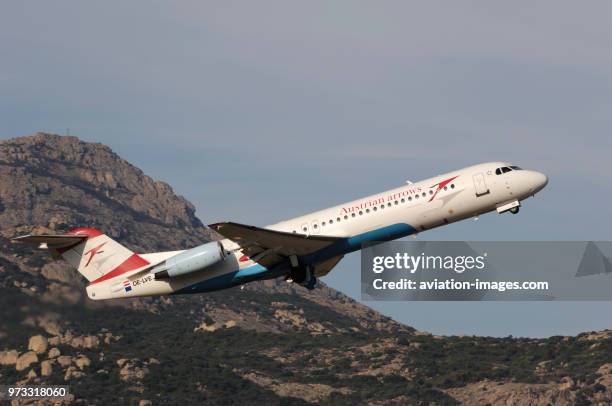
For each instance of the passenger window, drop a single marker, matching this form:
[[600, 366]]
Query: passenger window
[[331, 221], [375, 208], [424, 194], [360, 213], [322, 223], [367, 210], [389, 204], [345, 217], [409, 198], [403, 200], [431, 192], [352, 214], [416, 196], [452, 185]]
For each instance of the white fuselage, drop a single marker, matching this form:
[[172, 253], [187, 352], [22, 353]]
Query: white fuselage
[[422, 205], [408, 209]]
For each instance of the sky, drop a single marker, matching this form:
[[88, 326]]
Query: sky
[[261, 111]]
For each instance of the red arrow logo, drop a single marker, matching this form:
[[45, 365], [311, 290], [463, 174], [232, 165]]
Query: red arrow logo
[[441, 185], [94, 251]]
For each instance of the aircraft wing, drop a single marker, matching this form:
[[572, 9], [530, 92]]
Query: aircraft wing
[[268, 247]]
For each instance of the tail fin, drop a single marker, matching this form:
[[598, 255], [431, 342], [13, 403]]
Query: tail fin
[[94, 254]]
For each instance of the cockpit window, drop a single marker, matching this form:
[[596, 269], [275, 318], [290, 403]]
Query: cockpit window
[[516, 168], [506, 169]]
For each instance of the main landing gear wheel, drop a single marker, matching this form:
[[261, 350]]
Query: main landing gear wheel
[[303, 275], [311, 284], [514, 210]]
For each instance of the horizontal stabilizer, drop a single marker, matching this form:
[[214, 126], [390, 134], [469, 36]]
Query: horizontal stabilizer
[[50, 240]]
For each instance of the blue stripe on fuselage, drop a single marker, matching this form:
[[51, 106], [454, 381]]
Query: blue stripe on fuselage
[[350, 244], [340, 247]]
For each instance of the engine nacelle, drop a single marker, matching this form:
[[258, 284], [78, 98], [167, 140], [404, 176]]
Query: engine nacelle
[[192, 260]]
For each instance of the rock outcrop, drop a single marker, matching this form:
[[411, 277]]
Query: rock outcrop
[[38, 344], [25, 360], [46, 368], [8, 357]]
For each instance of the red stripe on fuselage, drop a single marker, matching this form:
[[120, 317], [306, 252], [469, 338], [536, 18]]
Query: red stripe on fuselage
[[133, 262]]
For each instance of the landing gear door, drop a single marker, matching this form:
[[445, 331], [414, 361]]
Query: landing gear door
[[480, 185]]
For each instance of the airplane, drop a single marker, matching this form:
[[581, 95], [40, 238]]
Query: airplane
[[301, 249]]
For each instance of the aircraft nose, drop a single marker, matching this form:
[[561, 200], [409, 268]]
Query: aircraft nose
[[538, 181]]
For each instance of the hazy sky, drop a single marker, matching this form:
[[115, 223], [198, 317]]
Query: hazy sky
[[260, 111]]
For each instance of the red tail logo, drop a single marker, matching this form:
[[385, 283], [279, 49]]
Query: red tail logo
[[94, 251]]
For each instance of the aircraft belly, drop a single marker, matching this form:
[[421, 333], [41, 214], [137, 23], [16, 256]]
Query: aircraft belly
[[229, 279]]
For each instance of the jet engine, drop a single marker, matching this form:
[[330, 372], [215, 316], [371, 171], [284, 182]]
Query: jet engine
[[192, 260]]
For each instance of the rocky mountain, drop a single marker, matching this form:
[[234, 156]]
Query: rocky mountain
[[269, 342]]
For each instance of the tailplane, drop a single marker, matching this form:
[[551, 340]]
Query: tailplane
[[94, 254]]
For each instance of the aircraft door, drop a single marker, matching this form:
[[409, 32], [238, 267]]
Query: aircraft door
[[480, 185]]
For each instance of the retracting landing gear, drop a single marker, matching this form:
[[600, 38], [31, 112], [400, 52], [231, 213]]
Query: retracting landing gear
[[513, 207], [302, 274], [311, 280]]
